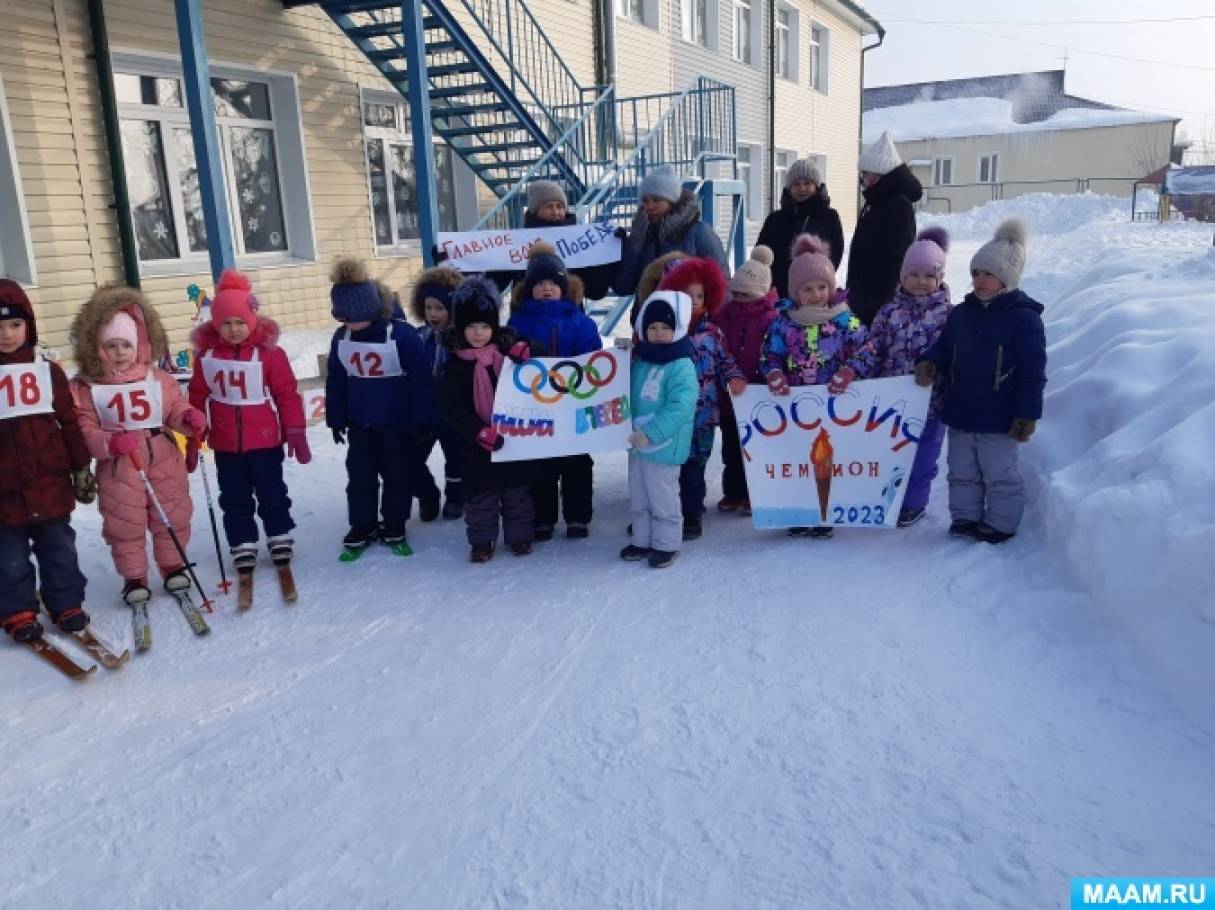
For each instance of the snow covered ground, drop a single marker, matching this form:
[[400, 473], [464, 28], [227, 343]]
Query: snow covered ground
[[885, 720]]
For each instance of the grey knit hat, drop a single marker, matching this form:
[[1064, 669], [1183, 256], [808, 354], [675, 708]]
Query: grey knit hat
[[802, 169], [661, 183], [1004, 256], [542, 191]]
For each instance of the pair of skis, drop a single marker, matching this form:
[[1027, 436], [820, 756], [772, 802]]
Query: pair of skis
[[142, 627], [244, 585], [101, 652]]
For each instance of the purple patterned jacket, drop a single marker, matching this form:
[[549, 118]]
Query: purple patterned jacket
[[902, 330], [811, 355]]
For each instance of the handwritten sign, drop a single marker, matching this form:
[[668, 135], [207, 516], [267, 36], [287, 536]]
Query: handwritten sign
[[817, 459], [579, 245]]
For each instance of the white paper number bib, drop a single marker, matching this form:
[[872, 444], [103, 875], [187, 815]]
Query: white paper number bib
[[130, 406], [25, 389], [236, 382], [370, 360]]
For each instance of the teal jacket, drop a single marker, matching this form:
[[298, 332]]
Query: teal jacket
[[664, 406]]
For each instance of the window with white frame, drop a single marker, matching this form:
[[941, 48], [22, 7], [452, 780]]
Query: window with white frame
[[820, 47], [989, 168], [782, 159], [783, 60], [631, 9], [942, 171], [391, 174], [262, 165], [695, 21], [16, 250], [751, 173], [742, 30]]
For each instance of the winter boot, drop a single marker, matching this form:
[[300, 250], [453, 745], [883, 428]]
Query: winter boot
[[282, 549], [798, 532], [730, 503], [244, 556], [633, 553], [988, 534], [136, 591], [454, 505], [745, 508], [177, 580], [692, 528], [73, 619], [481, 552], [23, 626], [521, 548], [357, 538], [825, 532], [962, 527], [908, 517], [577, 531], [543, 533], [660, 559], [429, 504]]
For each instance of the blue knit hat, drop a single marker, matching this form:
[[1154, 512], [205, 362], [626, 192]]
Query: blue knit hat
[[354, 297], [661, 183], [543, 264]]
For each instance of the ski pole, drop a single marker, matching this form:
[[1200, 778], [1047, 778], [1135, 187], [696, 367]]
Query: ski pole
[[181, 551], [224, 585]]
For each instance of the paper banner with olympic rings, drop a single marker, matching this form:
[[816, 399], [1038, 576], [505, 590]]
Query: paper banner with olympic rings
[[551, 406]]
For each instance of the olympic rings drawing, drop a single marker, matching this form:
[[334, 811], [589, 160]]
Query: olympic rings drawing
[[569, 383]]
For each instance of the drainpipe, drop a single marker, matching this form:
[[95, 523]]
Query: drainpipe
[[605, 42], [771, 105], [860, 123], [113, 141]]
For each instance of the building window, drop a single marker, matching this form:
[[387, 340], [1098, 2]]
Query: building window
[[820, 44], [942, 171], [742, 30], [783, 158], [751, 173], [782, 42], [391, 176], [631, 9], [16, 250], [695, 16], [989, 168], [162, 175]]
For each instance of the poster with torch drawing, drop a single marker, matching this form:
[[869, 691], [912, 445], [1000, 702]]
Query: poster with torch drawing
[[818, 459]]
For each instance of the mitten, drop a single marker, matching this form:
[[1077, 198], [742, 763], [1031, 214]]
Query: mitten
[[925, 372], [777, 383], [620, 233], [841, 380], [121, 444], [490, 440], [191, 454], [638, 439], [520, 351], [437, 255], [85, 486], [297, 445], [339, 437], [738, 385], [1022, 429], [195, 422]]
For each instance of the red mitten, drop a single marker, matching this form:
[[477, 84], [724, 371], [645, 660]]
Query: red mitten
[[520, 351], [777, 383], [841, 380], [192, 454], [196, 423], [490, 440], [738, 385], [297, 445], [121, 444]]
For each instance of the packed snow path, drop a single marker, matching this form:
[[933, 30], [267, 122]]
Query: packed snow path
[[887, 719]]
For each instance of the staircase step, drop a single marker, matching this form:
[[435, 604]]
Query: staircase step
[[383, 29], [453, 91], [345, 7], [453, 132], [504, 146], [451, 69], [467, 110]]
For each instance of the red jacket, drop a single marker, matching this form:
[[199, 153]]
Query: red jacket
[[38, 452], [244, 428]]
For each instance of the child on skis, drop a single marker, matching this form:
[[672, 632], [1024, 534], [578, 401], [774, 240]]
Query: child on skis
[[430, 305], [902, 330], [744, 320], [479, 347], [664, 392], [991, 355], [375, 398], [126, 404], [44, 472], [546, 309], [243, 381], [716, 372], [814, 335]]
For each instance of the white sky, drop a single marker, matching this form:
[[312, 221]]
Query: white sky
[[914, 52]]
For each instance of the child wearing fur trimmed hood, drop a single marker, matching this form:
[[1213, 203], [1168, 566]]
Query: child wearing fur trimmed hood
[[430, 305], [815, 335], [716, 372], [376, 399], [243, 381], [125, 405]]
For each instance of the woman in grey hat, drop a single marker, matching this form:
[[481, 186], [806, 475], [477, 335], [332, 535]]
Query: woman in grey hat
[[805, 208]]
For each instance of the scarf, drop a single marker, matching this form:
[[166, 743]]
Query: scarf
[[664, 353], [483, 385], [818, 315]]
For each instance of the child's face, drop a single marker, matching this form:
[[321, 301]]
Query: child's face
[[921, 284], [659, 333], [814, 294], [553, 211], [121, 354], [546, 290], [985, 283], [435, 313], [478, 334], [801, 190], [357, 326], [12, 335], [697, 293], [233, 330]]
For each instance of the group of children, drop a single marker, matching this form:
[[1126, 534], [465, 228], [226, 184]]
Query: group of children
[[393, 391]]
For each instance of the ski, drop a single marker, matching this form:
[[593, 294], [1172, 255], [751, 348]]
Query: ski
[[401, 548], [244, 589], [286, 582], [141, 626], [193, 615], [351, 554], [64, 662], [101, 651]]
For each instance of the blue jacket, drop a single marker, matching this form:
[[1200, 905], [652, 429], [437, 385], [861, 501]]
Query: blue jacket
[[367, 402], [558, 325], [993, 361], [681, 229], [664, 405]]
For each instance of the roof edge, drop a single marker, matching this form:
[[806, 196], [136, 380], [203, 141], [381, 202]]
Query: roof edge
[[860, 17]]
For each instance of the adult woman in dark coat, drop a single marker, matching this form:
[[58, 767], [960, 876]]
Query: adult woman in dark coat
[[805, 208]]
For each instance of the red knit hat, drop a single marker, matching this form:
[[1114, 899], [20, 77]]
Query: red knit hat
[[234, 298], [686, 272]]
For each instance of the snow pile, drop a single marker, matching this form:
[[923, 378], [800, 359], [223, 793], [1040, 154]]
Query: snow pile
[[303, 346], [951, 117], [1046, 213]]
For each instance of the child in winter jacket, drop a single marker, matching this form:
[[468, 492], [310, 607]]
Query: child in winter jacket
[[902, 330], [744, 320], [430, 305], [44, 471], [992, 356], [479, 347], [716, 372], [664, 392], [814, 335], [126, 405], [546, 309], [243, 381], [375, 399]]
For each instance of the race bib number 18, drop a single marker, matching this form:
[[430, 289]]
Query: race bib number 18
[[25, 388]]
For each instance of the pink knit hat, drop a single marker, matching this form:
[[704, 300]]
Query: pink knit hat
[[234, 298], [810, 263], [927, 254], [120, 326]]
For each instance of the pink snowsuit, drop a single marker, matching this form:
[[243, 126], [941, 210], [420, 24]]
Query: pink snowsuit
[[126, 509]]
